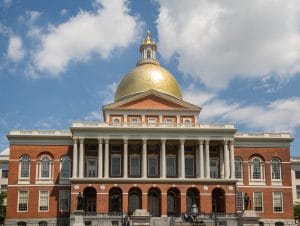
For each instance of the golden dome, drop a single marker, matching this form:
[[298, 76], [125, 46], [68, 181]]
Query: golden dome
[[145, 77], [148, 75]]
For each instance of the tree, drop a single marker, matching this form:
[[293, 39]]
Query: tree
[[2, 207]]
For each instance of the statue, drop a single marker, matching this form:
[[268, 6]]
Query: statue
[[246, 201], [80, 201]]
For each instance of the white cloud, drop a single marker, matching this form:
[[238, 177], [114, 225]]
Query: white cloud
[[279, 115], [15, 50], [63, 12], [216, 41], [5, 151], [87, 33], [93, 116]]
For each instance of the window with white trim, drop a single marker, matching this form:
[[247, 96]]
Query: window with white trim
[[171, 166], [65, 168], [91, 167], [23, 201], [24, 167], [133, 120], [187, 121], [116, 120], [153, 166], [277, 202], [43, 201], [64, 200], [258, 201], [238, 165], [189, 165], [152, 121], [45, 169], [4, 173], [239, 201], [169, 121], [257, 169], [276, 169], [135, 166], [297, 174], [298, 191], [115, 165]]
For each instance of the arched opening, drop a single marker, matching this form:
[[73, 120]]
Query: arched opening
[[134, 200], [154, 202], [148, 54], [173, 202], [90, 197], [115, 200], [43, 223], [218, 200], [279, 224], [192, 197]]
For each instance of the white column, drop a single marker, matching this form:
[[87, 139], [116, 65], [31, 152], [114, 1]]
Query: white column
[[125, 119], [163, 159], [75, 156], [144, 159], [201, 161], [221, 154], [178, 120], [81, 157], [182, 159], [100, 158], [207, 160], [125, 158], [232, 175], [106, 160], [226, 159]]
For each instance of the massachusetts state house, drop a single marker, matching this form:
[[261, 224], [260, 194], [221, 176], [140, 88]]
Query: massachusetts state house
[[150, 153]]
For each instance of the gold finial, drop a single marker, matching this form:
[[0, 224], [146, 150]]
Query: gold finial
[[148, 39]]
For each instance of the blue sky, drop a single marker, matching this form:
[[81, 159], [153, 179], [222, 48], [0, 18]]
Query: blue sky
[[62, 60]]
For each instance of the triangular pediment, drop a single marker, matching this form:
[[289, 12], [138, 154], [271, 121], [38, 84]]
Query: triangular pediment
[[152, 100]]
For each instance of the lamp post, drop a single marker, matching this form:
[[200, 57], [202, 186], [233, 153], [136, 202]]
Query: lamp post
[[194, 212]]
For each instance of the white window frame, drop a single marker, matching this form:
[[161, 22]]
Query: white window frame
[[169, 121], [281, 200], [134, 120], [187, 122], [44, 180], [241, 200], [40, 201], [152, 121], [193, 165], [238, 159], [111, 165], [217, 162], [24, 180], [175, 165], [257, 181], [262, 201], [27, 200], [62, 178], [116, 121], [276, 181], [88, 166], [156, 167], [64, 194], [133, 156]]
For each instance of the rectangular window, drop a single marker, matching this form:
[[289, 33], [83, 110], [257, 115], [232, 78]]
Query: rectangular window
[[24, 169], [91, 168], [153, 166], [169, 121], [135, 166], [23, 201], [239, 201], [258, 201], [238, 166], [297, 174], [298, 191], [134, 120], [189, 166], [4, 173], [171, 166], [214, 168], [3, 187], [64, 200], [44, 201], [277, 202], [116, 165]]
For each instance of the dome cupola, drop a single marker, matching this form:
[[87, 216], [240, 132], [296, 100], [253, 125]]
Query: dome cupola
[[147, 75]]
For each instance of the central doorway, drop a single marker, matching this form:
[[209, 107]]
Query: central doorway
[[90, 195], [154, 202]]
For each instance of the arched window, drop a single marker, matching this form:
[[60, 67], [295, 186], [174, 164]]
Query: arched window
[[257, 169], [24, 167], [238, 164], [65, 167], [276, 169], [21, 223], [44, 167], [43, 223]]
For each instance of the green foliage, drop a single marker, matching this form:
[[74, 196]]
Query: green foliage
[[2, 207], [297, 210]]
